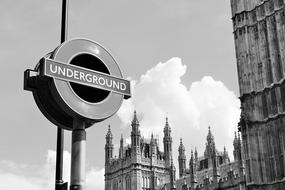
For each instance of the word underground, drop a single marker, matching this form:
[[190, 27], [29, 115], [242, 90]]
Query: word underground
[[83, 76]]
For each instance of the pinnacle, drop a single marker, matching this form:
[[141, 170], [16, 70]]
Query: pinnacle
[[109, 133], [135, 119]]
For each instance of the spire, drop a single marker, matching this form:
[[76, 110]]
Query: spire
[[225, 150], [167, 129], [196, 154], [181, 148], [109, 133], [226, 156], [108, 146], [192, 170], [172, 176], [210, 137], [121, 149], [235, 139], [167, 143], [135, 119], [135, 134], [239, 139], [210, 145], [182, 159], [191, 160]]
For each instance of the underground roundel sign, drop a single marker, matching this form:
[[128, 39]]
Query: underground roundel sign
[[79, 79]]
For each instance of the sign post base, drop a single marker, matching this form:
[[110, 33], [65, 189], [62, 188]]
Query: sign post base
[[78, 154]]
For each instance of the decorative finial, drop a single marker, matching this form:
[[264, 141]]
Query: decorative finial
[[135, 119], [109, 133]]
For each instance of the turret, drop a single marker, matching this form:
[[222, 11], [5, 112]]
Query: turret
[[121, 149], [109, 147], [195, 159], [167, 143], [172, 176], [210, 144], [214, 163], [192, 171], [238, 151], [181, 160], [226, 158], [153, 145], [196, 155], [237, 147], [135, 134]]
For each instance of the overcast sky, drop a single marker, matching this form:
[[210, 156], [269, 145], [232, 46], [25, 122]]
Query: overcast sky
[[179, 54]]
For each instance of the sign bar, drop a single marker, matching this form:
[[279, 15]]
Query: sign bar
[[86, 77]]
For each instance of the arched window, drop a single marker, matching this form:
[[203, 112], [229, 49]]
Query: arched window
[[147, 183], [128, 182], [115, 185]]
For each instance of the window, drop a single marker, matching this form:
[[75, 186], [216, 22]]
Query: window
[[282, 92], [128, 182], [255, 31], [269, 72], [260, 74], [282, 17], [273, 102], [264, 105], [115, 185]]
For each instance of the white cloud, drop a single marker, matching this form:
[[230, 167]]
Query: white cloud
[[159, 92], [31, 177], [95, 179]]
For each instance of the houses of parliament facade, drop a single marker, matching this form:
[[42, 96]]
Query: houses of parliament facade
[[259, 152], [143, 166]]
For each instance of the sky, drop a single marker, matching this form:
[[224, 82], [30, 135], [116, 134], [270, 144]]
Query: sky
[[179, 55]]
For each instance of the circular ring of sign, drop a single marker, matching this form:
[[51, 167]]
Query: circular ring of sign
[[98, 111]]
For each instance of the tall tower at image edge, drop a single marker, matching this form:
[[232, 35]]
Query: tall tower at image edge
[[259, 35]]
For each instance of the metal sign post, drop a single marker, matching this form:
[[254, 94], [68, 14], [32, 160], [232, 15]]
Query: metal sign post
[[78, 153], [59, 183], [76, 85]]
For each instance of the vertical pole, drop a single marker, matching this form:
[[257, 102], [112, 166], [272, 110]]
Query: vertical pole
[[78, 153], [60, 133], [64, 21], [59, 159]]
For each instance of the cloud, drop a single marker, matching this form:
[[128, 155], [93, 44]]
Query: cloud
[[160, 93], [95, 179], [32, 177]]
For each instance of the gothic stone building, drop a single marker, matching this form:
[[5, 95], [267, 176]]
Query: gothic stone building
[[213, 170], [141, 165], [259, 33]]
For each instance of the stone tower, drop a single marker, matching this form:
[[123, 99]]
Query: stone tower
[[259, 35], [192, 170], [109, 147], [172, 176], [135, 135], [140, 165], [167, 143], [181, 160]]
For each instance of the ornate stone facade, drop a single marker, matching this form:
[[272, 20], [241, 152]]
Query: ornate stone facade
[[141, 165], [213, 170], [259, 33]]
